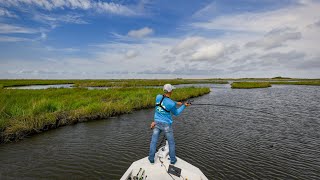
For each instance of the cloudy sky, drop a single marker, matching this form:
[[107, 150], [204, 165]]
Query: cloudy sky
[[159, 39]]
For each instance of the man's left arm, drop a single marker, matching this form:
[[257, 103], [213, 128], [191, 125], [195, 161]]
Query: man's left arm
[[177, 111], [179, 103]]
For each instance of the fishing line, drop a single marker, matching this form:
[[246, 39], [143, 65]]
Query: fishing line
[[228, 106]]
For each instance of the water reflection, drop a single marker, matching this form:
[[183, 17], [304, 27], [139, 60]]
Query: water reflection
[[42, 86]]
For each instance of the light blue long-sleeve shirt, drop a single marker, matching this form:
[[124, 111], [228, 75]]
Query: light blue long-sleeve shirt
[[161, 115]]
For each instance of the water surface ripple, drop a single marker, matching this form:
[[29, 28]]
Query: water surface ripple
[[225, 143]]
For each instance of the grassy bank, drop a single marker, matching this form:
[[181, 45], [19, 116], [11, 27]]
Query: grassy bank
[[153, 82], [275, 79], [310, 83], [143, 82], [108, 82], [25, 112], [250, 85]]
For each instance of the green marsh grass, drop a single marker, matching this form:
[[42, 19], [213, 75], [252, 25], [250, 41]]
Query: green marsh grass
[[310, 83], [281, 78], [31, 111], [250, 85], [108, 82], [151, 82], [267, 79], [143, 82]]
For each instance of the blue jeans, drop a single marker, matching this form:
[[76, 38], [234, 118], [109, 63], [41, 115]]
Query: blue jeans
[[167, 129]]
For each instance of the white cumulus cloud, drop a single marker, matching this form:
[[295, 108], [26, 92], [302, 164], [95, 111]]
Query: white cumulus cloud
[[113, 8], [275, 38], [208, 52], [262, 22], [187, 44], [131, 54], [140, 33]]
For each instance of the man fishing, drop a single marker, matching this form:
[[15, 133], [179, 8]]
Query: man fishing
[[163, 121]]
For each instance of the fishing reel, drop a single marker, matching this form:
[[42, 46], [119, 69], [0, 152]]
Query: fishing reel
[[189, 101]]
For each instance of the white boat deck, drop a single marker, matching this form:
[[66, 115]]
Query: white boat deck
[[159, 170]]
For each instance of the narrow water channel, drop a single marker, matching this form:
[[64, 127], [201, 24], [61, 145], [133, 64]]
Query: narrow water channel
[[276, 136]]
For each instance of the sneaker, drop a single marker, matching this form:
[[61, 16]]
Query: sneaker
[[173, 162], [151, 161]]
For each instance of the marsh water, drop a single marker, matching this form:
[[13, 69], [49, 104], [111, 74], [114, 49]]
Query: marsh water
[[276, 136], [42, 86]]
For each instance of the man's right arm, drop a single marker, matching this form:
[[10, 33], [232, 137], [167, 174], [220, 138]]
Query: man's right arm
[[152, 125]]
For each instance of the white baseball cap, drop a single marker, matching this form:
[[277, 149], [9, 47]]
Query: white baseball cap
[[168, 87]]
